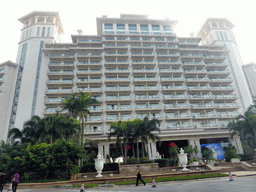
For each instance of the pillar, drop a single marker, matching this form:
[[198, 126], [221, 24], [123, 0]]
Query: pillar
[[195, 142], [236, 142], [152, 150], [103, 149]]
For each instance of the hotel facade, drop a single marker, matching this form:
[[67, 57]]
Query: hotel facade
[[135, 67]]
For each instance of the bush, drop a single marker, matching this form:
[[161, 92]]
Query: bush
[[111, 167], [145, 160], [132, 161], [166, 162], [245, 157], [88, 168], [230, 153]]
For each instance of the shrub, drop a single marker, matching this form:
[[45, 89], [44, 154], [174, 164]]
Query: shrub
[[88, 168], [111, 167], [245, 157], [145, 160], [166, 162], [230, 153], [207, 153], [132, 161]]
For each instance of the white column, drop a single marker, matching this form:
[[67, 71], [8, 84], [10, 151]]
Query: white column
[[196, 143], [152, 150], [45, 19], [237, 144], [103, 149]]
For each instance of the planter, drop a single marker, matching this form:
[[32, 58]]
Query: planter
[[131, 170], [99, 163], [183, 159], [235, 160], [194, 163]]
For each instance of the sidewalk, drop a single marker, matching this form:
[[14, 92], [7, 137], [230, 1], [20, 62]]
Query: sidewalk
[[242, 173]]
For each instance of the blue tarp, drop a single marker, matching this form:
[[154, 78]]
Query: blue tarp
[[217, 148]]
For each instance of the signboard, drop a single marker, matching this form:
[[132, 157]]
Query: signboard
[[216, 147]]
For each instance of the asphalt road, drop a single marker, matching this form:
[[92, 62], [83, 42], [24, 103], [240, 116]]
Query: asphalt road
[[244, 184]]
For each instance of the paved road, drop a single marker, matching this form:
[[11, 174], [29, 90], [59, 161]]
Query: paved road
[[240, 184]]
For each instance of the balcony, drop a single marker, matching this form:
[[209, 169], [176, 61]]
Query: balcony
[[61, 65], [95, 71], [61, 82], [175, 97], [168, 71], [114, 79], [168, 87], [145, 79], [146, 88], [172, 79], [92, 89], [60, 73], [205, 106]]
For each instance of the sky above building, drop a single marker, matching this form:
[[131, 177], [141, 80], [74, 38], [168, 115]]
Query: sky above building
[[82, 14]]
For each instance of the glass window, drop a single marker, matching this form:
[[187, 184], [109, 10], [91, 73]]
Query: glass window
[[155, 28], [225, 35], [133, 29], [108, 26], [38, 31], [120, 27], [30, 32], [26, 34], [218, 35], [221, 35], [167, 28], [144, 27], [23, 36], [48, 32], [43, 31]]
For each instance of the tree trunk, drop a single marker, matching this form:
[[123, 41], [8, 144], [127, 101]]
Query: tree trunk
[[138, 152], [125, 154], [133, 151], [122, 152], [143, 152]]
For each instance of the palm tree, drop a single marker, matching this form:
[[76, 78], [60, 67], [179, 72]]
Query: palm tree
[[71, 128], [78, 106], [117, 132], [147, 127], [136, 133], [31, 131], [53, 127], [245, 126]]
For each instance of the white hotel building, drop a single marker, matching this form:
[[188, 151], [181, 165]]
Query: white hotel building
[[135, 67]]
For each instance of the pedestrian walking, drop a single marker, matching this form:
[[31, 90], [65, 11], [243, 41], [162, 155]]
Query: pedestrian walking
[[2, 180], [139, 176], [15, 181]]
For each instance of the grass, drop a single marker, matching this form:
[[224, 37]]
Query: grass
[[44, 180], [164, 179], [179, 178]]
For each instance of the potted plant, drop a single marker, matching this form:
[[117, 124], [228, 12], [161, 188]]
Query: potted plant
[[192, 154], [208, 155], [231, 154]]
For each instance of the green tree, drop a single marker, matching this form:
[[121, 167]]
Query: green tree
[[78, 106], [136, 134], [245, 127], [147, 127], [30, 133], [117, 130]]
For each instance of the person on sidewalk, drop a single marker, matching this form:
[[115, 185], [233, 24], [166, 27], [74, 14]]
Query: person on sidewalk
[[2, 180], [139, 176], [15, 181]]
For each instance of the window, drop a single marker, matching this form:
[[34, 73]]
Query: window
[[133, 29], [120, 28], [218, 35], [225, 35], [26, 34], [38, 31], [48, 32], [43, 31], [108, 28], [30, 31], [167, 29], [144, 29], [221, 35], [156, 29], [23, 36]]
